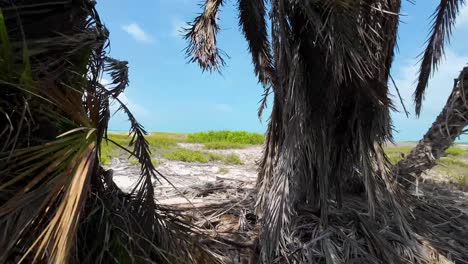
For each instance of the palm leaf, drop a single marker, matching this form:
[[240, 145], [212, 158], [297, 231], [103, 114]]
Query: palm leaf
[[443, 21], [201, 35]]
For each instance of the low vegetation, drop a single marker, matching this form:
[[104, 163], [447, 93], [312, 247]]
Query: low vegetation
[[226, 139], [223, 145], [395, 154], [223, 170], [188, 155], [133, 161], [159, 141], [233, 158], [453, 167], [156, 162], [164, 145]]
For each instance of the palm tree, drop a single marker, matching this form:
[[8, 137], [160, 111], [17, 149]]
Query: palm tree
[[57, 204], [328, 64], [449, 125]]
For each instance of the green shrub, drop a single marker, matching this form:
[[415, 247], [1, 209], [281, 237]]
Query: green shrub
[[108, 151], [394, 158], [454, 151], [462, 179], [240, 137], [178, 137], [156, 162], [448, 161], [120, 138], [133, 161], [397, 150], [223, 145], [233, 158], [188, 155], [158, 141]]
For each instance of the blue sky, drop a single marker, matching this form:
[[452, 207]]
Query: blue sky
[[168, 94]]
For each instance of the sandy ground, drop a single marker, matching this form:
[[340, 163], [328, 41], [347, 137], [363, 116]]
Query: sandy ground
[[189, 179], [230, 190]]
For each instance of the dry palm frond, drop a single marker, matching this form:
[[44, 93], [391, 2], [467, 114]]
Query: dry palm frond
[[118, 70], [59, 233], [56, 203], [325, 190], [253, 24], [202, 38], [443, 21]]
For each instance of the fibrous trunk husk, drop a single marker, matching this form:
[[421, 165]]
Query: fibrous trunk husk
[[329, 121], [449, 125]]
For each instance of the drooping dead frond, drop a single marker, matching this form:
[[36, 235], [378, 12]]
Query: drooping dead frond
[[202, 38], [55, 199], [325, 190], [118, 70], [443, 21], [252, 20], [253, 24]]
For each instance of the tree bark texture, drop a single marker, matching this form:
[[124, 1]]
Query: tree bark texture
[[446, 128]]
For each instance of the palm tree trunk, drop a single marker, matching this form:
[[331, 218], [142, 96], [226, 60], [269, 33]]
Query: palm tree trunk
[[446, 128]]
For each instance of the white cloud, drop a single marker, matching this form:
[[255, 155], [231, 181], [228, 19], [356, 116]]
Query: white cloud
[[439, 88], [137, 33], [137, 109], [223, 108], [440, 84]]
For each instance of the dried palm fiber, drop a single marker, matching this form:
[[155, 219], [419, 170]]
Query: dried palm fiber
[[57, 204], [328, 65]]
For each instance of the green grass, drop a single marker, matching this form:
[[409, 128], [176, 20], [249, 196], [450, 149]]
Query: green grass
[[449, 161], [133, 161], [397, 150], [454, 151], [394, 158], [462, 179], [156, 162], [394, 153], [233, 158], [223, 145], [223, 170], [188, 155], [178, 137], [454, 168], [158, 141], [108, 151], [166, 142], [238, 137]]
